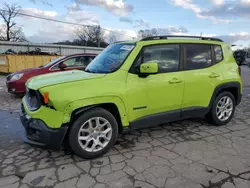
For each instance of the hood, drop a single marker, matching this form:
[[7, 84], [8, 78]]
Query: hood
[[27, 70], [23, 71], [45, 80]]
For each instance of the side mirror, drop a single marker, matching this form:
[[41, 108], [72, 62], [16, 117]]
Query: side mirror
[[149, 68], [62, 66]]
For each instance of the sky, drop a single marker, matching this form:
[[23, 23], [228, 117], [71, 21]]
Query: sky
[[226, 19]]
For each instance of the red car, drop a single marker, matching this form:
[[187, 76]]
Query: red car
[[15, 82]]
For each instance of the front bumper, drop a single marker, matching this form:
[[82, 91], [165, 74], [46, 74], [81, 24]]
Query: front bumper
[[39, 134], [15, 87]]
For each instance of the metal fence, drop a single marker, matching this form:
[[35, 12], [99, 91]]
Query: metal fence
[[49, 48]]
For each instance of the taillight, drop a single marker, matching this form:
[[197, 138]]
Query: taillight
[[46, 97], [239, 70]]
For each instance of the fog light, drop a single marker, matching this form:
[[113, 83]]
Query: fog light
[[33, 134]]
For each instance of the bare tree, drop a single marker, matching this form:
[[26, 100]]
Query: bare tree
[[147, 33], [10, 31], [112, 38], [91, 35]]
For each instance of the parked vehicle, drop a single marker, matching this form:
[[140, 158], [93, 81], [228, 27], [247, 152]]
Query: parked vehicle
[[248, 59], [15, 82], [240, 57], [132, 85]]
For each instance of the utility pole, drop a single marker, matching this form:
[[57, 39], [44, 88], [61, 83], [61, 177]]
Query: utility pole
[[99, 34]]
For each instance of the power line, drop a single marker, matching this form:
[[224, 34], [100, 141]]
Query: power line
[[65, 22]]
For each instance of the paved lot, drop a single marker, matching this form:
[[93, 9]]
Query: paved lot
[[184, 154]]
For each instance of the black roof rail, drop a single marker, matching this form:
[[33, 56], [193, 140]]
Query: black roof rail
[[180, 36], [115, 42], [119, 41]]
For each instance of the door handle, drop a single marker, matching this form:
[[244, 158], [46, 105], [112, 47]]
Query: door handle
[[214, 75], [175, 81]]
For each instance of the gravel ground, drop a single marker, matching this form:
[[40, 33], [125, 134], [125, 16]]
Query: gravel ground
[[183, 154], [8, 101]]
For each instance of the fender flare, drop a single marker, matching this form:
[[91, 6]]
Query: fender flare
[[226, 86], [88, 103]]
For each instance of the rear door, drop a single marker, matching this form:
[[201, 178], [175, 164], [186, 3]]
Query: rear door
[[202, 74]]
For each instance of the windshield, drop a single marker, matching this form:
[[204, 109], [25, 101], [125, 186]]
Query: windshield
[[52, 62], [110, 59]]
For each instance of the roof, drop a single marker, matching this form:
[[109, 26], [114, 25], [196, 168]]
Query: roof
[[83, 54]]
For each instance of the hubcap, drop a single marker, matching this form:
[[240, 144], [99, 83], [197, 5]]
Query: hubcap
[[95, 134], [224, 108]]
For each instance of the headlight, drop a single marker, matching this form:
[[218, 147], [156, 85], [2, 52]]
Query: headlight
[[33, 99], [16, 77]]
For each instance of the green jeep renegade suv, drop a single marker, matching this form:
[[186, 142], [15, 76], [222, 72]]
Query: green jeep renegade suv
[[132, 85]]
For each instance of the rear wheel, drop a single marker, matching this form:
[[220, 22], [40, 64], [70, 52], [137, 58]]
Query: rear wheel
[[93, 133], [222, 110]]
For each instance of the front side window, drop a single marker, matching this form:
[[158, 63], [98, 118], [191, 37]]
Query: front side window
[[110, 59], [197, 56], [218, 53], [73, 62], [53, 62], [166, 56], [79, 61]]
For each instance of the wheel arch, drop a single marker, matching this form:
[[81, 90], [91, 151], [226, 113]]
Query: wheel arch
[[232, 87], [114, 105]]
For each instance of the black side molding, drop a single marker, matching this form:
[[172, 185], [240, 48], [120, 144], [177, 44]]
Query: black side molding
[[194, 112], [155, 119], [166, 117]]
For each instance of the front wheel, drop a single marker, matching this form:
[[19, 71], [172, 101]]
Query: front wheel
[[93, 133], [222, 110]]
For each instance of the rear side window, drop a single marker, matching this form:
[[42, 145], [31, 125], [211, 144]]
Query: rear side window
[[197, 56], [218, 53]]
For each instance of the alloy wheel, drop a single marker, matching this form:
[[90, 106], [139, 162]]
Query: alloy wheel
[[95, 134]]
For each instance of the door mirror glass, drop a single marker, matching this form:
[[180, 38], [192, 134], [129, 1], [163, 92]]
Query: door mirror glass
[[62, 66], [149, 68]]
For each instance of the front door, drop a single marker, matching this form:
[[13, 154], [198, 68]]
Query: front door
[[159, 94]]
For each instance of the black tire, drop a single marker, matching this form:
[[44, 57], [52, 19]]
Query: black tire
[[212, 116], [73, 134]]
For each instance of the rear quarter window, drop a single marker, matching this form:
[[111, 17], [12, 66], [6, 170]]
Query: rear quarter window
[[218, 53]]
